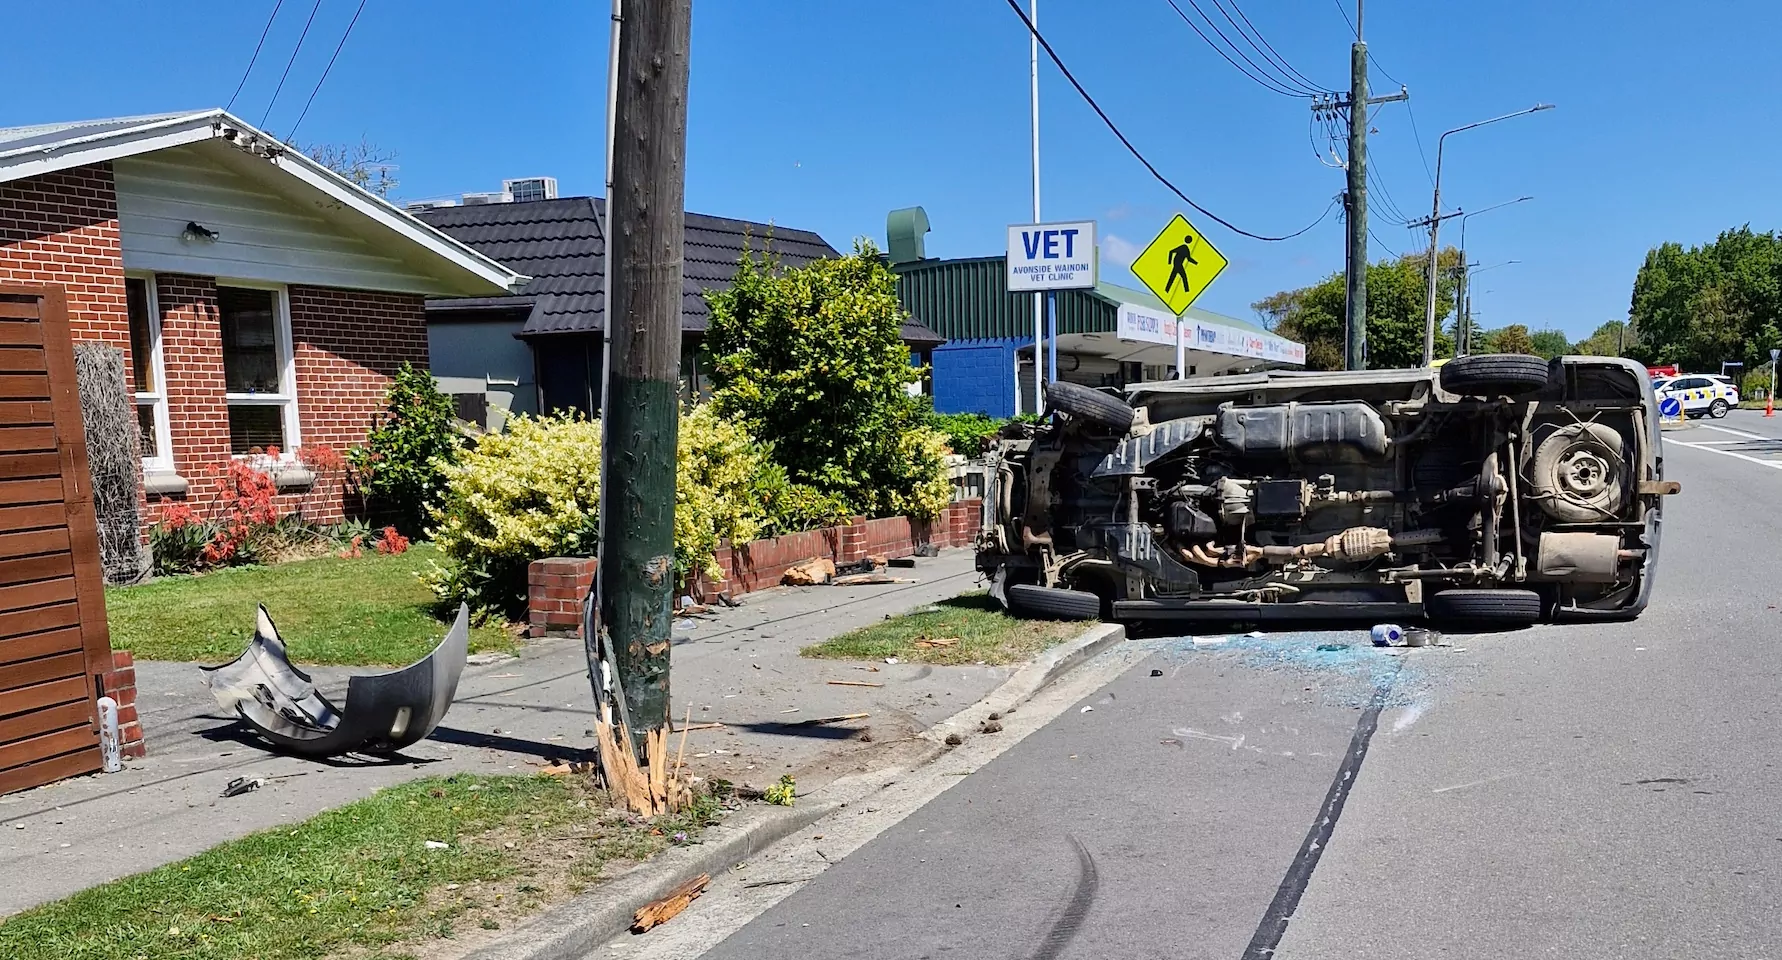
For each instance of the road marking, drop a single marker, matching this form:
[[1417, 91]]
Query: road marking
[[1736, 433], [1726, 453], [1475, 783]]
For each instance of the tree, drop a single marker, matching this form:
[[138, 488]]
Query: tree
[[1607, 340], [1511, 339], [1720, 302], [368, 166], [813, 362], [1397, 292], [1549, 343]]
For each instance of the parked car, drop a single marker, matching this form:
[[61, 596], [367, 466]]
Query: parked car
[[1699, 395], [1500, 489]]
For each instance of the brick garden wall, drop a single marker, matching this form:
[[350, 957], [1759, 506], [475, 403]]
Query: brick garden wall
[[556, 585], [120, 685]]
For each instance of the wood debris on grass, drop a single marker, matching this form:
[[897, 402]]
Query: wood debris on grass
[[932, 642], [661, 911]]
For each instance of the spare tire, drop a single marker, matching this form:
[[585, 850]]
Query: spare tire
[[1048, 603], [1089, 404], [1487, 608], [1494, 375]]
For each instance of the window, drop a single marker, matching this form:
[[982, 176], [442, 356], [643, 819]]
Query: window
[[257, 375], [146, 373]]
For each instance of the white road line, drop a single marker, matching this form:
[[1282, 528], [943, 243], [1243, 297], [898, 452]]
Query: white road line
[[1774, 464], [1715, 443], [1736, 433]]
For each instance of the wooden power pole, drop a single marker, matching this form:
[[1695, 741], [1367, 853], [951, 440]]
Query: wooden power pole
[[635, 583]]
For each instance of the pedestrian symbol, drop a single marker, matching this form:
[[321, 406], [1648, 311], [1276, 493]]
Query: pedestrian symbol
[[1179, 264]]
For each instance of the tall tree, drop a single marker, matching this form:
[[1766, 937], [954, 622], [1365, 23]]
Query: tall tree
[[1511, 339], [1549, 343], [1701, 306], [1607, 340], [1315, 315]]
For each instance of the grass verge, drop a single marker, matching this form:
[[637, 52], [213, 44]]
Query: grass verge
[[372, 610], [983, 634], [359, 881]]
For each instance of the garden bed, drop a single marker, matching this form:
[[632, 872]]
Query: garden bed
[[369, 610]]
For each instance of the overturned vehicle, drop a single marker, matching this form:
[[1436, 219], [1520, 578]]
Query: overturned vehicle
[[1494, 490]]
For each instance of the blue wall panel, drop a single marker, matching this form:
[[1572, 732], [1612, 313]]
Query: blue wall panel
[[976, 376]]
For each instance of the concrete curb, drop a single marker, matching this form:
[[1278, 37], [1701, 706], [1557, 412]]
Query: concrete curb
[[576, 927]]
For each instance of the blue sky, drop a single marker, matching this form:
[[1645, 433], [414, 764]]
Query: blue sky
[[825, 114]]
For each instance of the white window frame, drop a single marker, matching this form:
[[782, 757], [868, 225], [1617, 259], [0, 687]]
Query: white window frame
[[287, 362], [162, 462]]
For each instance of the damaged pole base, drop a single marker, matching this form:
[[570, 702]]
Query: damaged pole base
[[649, 790]]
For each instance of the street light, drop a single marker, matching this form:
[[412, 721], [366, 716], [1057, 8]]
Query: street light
[[1462, 327], [1463, 306], [1435, 224]]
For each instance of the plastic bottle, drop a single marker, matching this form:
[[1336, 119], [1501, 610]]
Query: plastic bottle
[[1387, 634]]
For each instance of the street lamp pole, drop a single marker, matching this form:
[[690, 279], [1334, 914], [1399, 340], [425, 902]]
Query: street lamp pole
[[1039, 299], [1435, 224], [1463, 330]]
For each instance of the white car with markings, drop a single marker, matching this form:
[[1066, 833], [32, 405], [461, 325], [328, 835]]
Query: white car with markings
[[1699, 394]]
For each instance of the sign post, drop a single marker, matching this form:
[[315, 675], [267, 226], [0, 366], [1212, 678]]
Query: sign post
[[1769, 403], [1177, 266], [1049, 257]]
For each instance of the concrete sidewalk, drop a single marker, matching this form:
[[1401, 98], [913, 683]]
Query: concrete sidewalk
[[740, 667]]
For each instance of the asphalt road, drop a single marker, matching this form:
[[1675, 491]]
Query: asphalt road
[[1581, 791]]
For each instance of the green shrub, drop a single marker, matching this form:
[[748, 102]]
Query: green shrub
[[966, 433], [533, 492], [402, 466], [789, 507], [812, 362]]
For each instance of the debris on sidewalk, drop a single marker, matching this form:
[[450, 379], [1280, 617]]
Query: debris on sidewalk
[[902, 562], [783, 793], [1387, 634], [820, 721], [383, 713], [869, 579], [990, 726], [809, 573], [714, 725], [661, 911], [241, 785], [854, 683]]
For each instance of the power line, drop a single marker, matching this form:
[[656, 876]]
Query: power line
[[1419, 138], [1383, 245], [1268, 82], [287, 73], [256, 56], [325, 70], [1081, 92], [1267, 49]]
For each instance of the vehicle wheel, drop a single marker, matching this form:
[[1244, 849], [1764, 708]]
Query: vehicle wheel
[[1718, 409], [1487, 608], [1091, 405], [1049, 603], [1494, 375]]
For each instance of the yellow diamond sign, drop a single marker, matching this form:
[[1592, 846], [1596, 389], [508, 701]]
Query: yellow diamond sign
[[1179, 264]]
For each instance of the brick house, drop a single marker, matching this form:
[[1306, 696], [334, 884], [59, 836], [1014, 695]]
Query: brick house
[[261, 299]]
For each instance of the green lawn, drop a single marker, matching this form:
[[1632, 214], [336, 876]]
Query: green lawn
[[372, 610], [984, 634], [358, 880]]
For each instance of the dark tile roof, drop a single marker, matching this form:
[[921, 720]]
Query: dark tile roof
[[559, 244]]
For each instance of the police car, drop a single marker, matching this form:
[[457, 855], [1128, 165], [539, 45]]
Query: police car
[[1699, 394]]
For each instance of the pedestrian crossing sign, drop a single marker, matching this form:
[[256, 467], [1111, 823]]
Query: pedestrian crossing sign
[[1179, 264]]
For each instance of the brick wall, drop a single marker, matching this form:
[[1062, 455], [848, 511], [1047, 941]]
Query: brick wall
[[555, 587], [62, 228], [120, 684], [554, 591], [349, 344]]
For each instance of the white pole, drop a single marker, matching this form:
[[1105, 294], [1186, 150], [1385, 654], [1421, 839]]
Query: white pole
[[1039, 303], [1181, 352]]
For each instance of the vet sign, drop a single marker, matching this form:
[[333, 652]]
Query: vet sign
[[1051, 256]]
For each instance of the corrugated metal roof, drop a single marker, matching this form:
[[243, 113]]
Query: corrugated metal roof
[[50, 134], [968, 299], [559, 244]]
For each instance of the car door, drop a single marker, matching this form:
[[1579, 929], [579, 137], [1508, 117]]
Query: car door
[[1695, 393]]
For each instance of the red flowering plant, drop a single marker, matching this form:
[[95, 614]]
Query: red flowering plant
[[241, 519]]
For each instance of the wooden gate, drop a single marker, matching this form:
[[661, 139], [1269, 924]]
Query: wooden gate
[[53, 640]]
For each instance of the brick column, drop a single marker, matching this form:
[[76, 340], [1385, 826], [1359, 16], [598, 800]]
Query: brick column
[[851, 546], [120, 685], [555, 588]]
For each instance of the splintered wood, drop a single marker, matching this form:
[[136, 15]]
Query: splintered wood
[[648, 791], [661, 911]]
